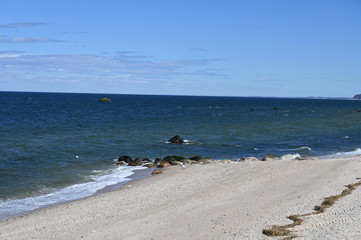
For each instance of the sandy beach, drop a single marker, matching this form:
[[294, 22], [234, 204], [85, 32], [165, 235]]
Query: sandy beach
[[236, 200]]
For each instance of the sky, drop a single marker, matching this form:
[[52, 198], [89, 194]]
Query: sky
[[275, 48]]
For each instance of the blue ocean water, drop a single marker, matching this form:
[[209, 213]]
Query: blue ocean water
[[56, 147]]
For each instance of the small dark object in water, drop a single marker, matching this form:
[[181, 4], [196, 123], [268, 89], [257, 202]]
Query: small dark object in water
[[105, 99], [176, 139]]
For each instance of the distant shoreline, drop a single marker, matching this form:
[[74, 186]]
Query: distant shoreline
[[139, 94]]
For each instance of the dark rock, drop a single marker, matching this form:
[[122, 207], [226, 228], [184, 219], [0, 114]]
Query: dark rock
[[105, 99], [149, 165], [134, 163], [176, 139], [196, 158], [146, 160], [125, 159], [138, 160], [171, 159], [164, 164], [157, 171], [121, 163], [176, 163], [157, 160], [250, 159], [269, 157]]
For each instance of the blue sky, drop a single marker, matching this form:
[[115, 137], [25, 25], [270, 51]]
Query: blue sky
[[277, 48]]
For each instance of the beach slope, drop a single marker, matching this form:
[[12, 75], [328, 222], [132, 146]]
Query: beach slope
[[213, 201]]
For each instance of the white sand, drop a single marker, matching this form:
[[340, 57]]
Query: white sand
[[214, 201]]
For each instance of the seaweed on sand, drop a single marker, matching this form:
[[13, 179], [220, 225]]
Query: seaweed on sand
[[284, 230]]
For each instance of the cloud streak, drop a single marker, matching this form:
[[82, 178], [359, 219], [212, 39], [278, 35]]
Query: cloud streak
[[27, 40], [21, 25], [10, 52], [95, 68]]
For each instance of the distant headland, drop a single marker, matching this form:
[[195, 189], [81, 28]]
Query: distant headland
[[357, 97]]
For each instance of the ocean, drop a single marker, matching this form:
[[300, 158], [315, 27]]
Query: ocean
[[57, 147]]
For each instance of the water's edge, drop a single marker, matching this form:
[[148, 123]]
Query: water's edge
[[137, 174]]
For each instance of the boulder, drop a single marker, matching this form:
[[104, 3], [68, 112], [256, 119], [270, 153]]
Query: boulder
[[146, 160], [164, 164], [250, 159], [133, 164], [157, 160], [188, 161], [177, 163], [121, 163], [196, 158], [149, 165], [104, 99], [176, 139], [157, 171], [172, 159], [136, 162], [225, 161], [206, 161], [269, 157], [125, 159]]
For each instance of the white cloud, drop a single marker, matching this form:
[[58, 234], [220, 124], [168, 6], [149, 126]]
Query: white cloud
[[92, 70], [21, 25], [27, 40]]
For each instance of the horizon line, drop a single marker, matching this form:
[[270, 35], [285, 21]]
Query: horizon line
[[179, 95]]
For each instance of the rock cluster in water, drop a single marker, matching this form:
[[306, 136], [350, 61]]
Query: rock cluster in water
[[162, 162], [183, 161]]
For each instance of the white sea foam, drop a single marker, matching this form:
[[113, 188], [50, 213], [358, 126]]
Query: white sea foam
[[18, 206], [344, 154], [304, 148], [299, 148], [186, 142], [290, 156]]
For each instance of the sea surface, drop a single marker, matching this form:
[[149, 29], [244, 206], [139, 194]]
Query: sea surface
[[57, 147]]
